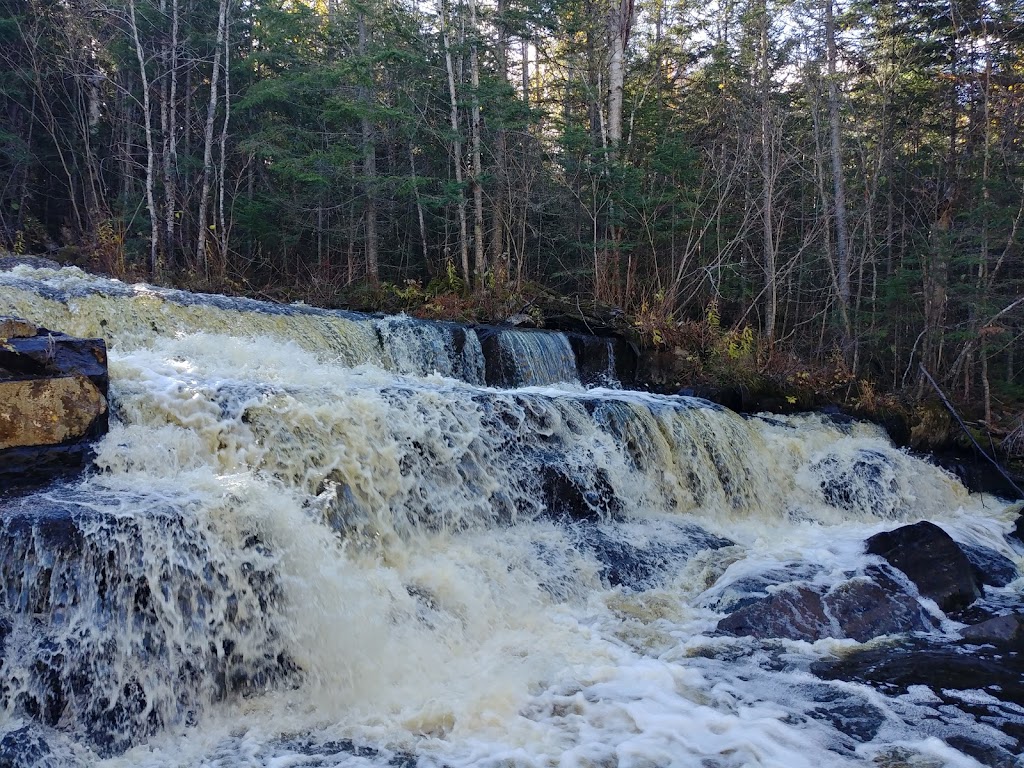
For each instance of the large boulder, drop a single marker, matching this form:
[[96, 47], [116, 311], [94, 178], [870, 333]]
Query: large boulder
[[48, 411], [53, 402], [932, 560]]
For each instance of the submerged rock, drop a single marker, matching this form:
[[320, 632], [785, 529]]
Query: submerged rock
[[866, 483], [984, 682], [932, 560], [637, 564], [579, 498], [163, 622]]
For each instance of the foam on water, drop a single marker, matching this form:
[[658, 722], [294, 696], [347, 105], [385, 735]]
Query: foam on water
[[348, 567]]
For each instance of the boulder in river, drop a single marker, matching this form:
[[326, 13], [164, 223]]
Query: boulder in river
[[1006, 631], [932, 560], [990, 567], [860, 608], [53, 401]]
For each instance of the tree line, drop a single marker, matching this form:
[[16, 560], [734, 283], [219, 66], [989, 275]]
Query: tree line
[[846, 177]]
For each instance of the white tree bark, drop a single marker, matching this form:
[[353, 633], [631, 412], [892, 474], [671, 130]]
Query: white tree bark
[[211, 114], [456, 146], [479, 254], [369, 167], [154, 221]]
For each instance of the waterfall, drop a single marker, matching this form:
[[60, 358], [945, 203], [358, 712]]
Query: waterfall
[[316, 538]]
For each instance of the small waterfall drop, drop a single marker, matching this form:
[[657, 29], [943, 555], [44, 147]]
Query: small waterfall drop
[[518, 358], [422, 348], [299, 546]]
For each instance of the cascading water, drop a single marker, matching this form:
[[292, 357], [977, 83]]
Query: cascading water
[[315, 539]]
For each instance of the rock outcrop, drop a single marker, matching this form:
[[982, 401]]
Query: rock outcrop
[[53, 401]]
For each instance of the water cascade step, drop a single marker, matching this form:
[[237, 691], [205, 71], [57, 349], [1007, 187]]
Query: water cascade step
[[321, 538]]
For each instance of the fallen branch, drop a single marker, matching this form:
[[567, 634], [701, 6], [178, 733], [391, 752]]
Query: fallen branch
[[977, 447]]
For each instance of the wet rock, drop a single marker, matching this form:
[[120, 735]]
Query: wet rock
[[990, 755], [728, 397], [748, 590], [932, 560], [638, 565], [1001, 630], [861, 485], [48, 411], [27, 467], [985, 683], [579, 498], [312, 748], [848, 714], [23, 748], [603, 360], [53, 391], [990, 567], [875, 605], [861, 608], [55, 354], [16, 328], [11, 261], [792, 613], [1018, 529], [499, 369]]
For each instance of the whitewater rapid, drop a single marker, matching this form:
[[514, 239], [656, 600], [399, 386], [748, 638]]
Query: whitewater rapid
[[353, 554]]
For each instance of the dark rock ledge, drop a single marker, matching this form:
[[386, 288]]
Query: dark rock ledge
[[53, 402], [882, 601]]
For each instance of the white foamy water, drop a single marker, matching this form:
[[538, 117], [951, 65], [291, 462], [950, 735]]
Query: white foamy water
[[311, 551]]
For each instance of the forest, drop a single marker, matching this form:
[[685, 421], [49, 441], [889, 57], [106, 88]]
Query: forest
[[837, 180]]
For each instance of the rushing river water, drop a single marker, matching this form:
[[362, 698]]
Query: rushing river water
[[319, 539]]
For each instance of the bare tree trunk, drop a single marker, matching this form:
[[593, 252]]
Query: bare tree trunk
[[456, 148], [768, 177], [223, 231], [170, 128], [620, 21], [480, 255], [154, 221], [525, 54], [838, 185], [211, 114], [369, 163], [419, 208], [498, 257]]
